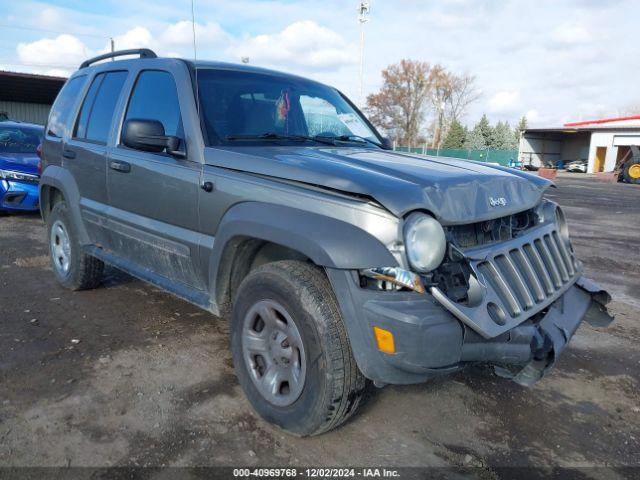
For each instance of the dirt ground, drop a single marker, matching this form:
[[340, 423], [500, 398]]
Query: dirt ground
[[128, 375]]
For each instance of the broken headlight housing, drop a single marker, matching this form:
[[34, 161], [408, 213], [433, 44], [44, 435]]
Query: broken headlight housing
[[391, 278], [425, 242]]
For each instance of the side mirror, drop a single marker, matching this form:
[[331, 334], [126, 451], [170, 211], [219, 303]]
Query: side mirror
[[148, 136], [387, 144]]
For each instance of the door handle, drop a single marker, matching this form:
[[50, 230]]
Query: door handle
[[66, 153], [120, 166], [207, 186]]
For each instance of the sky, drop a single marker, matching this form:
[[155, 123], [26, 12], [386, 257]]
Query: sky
[[552, 60]]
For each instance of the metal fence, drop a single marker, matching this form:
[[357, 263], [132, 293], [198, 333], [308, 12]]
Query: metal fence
[[503, 157]]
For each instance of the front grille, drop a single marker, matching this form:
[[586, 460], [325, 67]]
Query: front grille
[[527, 276]]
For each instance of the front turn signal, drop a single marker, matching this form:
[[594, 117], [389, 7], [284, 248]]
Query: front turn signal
[[384, 338]]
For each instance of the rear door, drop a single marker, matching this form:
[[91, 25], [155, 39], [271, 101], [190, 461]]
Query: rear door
[[85, 153], [153, 199]]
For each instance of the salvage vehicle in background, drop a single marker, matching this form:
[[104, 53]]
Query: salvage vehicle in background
[[270, 200], [629, 167], [19, 165], [577, 166]]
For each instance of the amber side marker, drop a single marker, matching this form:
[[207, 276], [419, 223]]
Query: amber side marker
[[385, 340]]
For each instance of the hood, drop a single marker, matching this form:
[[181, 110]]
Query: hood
[[19, 162], [453, 190]]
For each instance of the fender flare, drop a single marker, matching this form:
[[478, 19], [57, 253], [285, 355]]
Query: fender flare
[[327, 241], [61, 179]]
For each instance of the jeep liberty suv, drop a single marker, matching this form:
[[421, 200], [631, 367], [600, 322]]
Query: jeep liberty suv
[[270, 200]]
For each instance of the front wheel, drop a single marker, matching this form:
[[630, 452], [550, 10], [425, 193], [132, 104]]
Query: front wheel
[[290, 349]]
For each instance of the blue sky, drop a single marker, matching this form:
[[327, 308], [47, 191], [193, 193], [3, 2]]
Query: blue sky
[[552, 60]]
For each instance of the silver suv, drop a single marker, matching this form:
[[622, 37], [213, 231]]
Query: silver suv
[[270, 200]]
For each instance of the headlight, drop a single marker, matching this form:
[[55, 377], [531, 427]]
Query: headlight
[[563, 229], [23, 177], [425, 242]]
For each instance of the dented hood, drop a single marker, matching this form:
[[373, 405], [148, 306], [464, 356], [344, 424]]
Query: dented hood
[[453, 190]]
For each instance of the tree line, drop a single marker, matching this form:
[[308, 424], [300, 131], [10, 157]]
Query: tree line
[[423, 104]]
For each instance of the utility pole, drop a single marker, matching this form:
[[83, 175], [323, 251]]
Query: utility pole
[[363, 17]]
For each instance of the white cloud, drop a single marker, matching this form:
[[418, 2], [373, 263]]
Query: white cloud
[[63, 53], [504, 102], [138, 37], [181, 34], [302, 44], [571, 34]]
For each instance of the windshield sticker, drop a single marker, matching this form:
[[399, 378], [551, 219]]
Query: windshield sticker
[[283, 105], [354, 124]]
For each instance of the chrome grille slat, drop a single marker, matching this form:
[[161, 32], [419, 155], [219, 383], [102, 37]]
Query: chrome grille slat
[[501, 288], [525, 267], [564, 253], [548, 262], [539, 267], [558, 262], [521, 290]]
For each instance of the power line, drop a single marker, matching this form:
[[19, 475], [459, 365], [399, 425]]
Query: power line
[[51, 65], [103, 37]]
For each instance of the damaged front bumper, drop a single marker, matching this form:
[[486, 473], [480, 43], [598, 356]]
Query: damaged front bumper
[[430, 340]]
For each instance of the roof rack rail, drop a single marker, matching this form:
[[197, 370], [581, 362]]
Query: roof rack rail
[[143, 52]]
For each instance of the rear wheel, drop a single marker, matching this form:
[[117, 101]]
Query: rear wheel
[[290, 349], [73, 268], [631, 171]]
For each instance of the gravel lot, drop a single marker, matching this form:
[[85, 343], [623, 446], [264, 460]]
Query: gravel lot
[[128, 375]]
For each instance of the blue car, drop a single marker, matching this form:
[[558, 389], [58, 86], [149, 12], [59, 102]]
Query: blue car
[[19, 174]]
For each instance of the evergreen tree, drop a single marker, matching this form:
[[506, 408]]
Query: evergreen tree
[[522, 125], [475, 139], [502, 137], [485, 130], [480, 137], [456, 136]]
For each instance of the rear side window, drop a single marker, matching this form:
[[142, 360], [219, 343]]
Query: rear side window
[[61, 110], [97, 110], [155, 97]]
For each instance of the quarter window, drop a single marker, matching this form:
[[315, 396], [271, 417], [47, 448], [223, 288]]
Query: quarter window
[[61, 110], [155, 97], [97, 110]]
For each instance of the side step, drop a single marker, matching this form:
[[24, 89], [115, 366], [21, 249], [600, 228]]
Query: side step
[[191, 295]]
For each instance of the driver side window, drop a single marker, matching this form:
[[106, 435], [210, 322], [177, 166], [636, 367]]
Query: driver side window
[[155, 97]]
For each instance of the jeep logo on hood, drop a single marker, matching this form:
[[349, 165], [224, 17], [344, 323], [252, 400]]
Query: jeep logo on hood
[[497, 201]]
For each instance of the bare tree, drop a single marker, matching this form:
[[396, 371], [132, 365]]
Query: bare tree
[[400, 105], [451, 96]]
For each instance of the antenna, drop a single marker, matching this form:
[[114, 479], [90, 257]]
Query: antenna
[[363, 17], [195, 56]]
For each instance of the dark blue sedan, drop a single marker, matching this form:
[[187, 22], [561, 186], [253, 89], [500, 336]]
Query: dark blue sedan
[[19, 174]]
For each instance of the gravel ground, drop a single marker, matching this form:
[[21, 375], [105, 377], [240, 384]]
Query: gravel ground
[[126, 375]]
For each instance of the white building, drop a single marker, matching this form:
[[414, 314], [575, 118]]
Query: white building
[[601, 143]]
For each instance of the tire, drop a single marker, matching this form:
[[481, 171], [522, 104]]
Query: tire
[[331, 386], [73, 269], [631, 171]]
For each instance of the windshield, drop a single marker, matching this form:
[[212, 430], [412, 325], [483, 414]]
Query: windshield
[[19, 139], [240, 107]]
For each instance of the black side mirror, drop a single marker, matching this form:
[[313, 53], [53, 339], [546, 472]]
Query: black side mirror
[[386, 144], [148, 136]]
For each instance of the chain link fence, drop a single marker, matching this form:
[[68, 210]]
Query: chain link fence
[[503, 157]]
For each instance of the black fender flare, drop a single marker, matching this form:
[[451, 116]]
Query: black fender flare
[[61, 179], [327, 241]]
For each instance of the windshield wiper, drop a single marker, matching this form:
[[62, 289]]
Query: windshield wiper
[[277, 136], [351, 138]]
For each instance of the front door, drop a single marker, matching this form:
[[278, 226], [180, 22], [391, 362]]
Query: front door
[[153, 196]]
